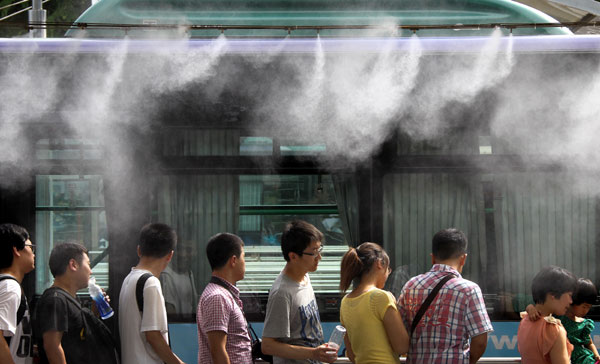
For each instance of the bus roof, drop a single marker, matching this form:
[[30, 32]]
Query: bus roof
[[316, 13]]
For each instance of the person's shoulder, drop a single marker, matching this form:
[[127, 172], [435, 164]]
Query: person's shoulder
[[10, 286], [380, 296], [381, 293], [214, 292], [52, 293], [464, 285]]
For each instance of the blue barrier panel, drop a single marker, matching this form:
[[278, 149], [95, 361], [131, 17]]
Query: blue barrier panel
[[502, 342], [184, 341]]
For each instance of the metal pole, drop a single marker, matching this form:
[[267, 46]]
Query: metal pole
[[37, 15]]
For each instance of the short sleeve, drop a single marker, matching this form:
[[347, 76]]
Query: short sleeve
[[588, 327], [154, 317], [380, 302], [9, 305], [549, 336], [277, 319], [53, 313], [215, 313], [477, 319]]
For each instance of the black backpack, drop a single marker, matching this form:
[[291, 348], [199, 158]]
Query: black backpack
[[22, 306], [98, 338]]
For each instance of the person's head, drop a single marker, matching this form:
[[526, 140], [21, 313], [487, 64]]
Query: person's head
[[301, 244], [16, 248], [157, 240], [226, 252], [363, 260], [584, 297], [70, 261], [449, 245], [553, 287]]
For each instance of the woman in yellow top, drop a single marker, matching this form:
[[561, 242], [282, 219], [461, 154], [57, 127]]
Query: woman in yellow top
[[374, 329]]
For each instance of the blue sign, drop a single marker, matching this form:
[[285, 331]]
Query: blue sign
[[502, 342]]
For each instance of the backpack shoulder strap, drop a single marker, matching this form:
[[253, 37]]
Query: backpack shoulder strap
[[23, 305], [139, 291], [428, 301], [70, 298]]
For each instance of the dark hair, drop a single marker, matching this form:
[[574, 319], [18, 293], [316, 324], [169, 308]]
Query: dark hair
[[296, 236], [553, 280], [358, 261], [157, 240], [62, 254], [11, 235], [448, 244], [221, 247], [585, 292]]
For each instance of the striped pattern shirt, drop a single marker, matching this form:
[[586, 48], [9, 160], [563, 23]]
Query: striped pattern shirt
[[455, 315]]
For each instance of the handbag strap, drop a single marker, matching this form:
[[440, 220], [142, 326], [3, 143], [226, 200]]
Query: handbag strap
[[428, 301]]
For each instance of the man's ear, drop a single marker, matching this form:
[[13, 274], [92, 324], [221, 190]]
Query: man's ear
[[73, 265], [139, 252], [293, 256], [170, 255], [16, 252], [432, 258]]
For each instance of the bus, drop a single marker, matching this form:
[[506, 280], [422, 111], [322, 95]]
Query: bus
[[380, 134]]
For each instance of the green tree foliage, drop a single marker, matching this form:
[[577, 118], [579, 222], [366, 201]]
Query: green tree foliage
[[64, 11]]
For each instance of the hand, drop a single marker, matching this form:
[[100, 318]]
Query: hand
[[533, 313], [324, 353]]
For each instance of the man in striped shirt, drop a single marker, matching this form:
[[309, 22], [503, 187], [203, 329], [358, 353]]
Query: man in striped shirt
[[222, 329], [455, 316]]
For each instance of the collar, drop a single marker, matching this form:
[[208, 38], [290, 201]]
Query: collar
[[233, 289], [445, 268]]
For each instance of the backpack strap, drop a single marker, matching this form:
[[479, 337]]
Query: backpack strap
[[139, 296], [139, 291], [68, 296], [23, 305], [428, 301]]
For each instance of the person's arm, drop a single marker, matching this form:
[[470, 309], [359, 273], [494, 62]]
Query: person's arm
[[478, 345], [271, 346], [161, 348], [5, 356], [216, 344], [349, 352], [558, 353], [532, 313], [593, 348], [53, 347], [396, 332]]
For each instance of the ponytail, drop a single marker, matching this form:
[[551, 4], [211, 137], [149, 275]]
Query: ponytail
[[359, 260], [352, 268]]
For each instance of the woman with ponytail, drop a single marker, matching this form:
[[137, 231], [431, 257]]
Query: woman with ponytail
[[375, 332]]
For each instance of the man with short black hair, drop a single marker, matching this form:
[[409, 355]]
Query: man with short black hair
[[222, 329], [17, 258], [58, 315], [292, 331], [456, 314], [144, 330]]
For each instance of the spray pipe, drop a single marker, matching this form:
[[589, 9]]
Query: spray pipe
[[299, 27]]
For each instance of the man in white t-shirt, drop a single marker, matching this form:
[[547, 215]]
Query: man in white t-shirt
[[144, 335], [17, 258]]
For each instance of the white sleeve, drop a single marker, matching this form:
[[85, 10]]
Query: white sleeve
[[10, 299], [155, 314]]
